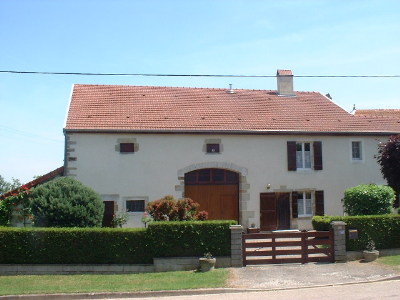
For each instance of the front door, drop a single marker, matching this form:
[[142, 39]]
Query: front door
[[274, 211], [108, 213], [217, 192]]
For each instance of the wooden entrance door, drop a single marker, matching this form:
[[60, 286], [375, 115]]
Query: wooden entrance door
[[217, 192], [283, 203], [274, 211], [108, 213]]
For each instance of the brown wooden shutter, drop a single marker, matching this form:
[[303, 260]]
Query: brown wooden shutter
[[268, 211], [319, 203], [291, 155], [317, 155], [295, 213]]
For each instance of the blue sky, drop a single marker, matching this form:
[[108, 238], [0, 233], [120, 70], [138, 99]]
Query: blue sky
[[182, 37]]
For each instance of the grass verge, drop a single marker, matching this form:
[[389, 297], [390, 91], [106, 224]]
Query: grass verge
[[51, 284], [393, 260]]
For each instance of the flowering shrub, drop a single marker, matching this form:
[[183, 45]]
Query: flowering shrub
[[146, 219], [169, 209], [17, 206], [119, 219]]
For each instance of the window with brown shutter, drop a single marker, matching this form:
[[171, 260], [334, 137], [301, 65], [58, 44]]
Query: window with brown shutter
[[291, 155], [319, 203], [317, 155], [298, 155]]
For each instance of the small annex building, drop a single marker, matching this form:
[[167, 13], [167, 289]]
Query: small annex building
[[273, 158]]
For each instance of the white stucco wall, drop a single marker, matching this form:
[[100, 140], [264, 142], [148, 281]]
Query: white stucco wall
[[152, 172]]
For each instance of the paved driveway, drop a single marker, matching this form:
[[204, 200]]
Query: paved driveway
[[312, 274]]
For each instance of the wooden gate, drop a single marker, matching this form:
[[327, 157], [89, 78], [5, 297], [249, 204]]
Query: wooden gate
[[287, 247]]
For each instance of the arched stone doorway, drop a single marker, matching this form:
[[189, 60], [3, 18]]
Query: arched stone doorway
[[216, 190]]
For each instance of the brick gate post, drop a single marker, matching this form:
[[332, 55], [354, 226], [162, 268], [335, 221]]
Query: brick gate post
[[339, 240], [236, 245]]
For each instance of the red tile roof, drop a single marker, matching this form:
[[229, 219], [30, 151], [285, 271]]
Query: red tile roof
[[385, 118], [166, 109], [42, 179], [394, 113]]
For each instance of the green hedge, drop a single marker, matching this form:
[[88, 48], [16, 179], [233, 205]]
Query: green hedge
[[112, 245], [384, 230], [190, 238], [73, 246]]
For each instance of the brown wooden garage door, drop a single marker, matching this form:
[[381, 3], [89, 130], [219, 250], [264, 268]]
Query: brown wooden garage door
[[217, 192]]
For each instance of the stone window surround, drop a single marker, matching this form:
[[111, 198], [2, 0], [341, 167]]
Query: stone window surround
[[128, 141], [212, 141], [244, 188], [124, 199]]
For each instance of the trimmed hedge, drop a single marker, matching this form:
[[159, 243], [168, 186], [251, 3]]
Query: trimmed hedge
[[113, 245], [384, 230], [73, 246], [190, 238]]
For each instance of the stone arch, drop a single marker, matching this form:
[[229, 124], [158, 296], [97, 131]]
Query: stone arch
[[244, 186]]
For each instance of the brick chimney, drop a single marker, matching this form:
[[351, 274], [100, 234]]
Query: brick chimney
[[285, 82]]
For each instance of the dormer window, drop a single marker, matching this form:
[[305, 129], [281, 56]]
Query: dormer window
[[212, 148]]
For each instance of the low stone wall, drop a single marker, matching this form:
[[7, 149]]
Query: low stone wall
[[357, 255], [186, 263], [160, 265], [28, 269]]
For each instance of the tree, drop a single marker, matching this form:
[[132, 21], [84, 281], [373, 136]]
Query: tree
[[389, 160], [6, 186], [368, 199], [65, 202]]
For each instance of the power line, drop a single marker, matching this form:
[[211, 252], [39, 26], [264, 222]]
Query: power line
[[190, 75]]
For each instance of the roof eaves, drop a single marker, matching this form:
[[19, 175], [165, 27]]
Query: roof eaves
[[238, 132]]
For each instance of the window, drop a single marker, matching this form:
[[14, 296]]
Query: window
[[303, 156], [135, 205], [304, 204], [356, 150], [126, 147], [212, 148]]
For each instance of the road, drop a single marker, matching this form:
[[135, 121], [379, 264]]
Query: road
[[361, 291]]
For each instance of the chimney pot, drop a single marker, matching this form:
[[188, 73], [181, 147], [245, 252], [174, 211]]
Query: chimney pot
[[285, 82]]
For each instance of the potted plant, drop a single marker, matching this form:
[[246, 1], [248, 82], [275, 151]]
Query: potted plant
[[207, 262], [370, 253], [253, 229]]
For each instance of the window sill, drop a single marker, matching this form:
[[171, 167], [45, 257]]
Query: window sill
[[357, 161], [305, 216], [305, 171]]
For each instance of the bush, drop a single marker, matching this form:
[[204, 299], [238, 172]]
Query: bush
[[368, 199], [169, 209], [384, 230], [65, 202], [114, 245], [17, 204], [192, 238], [73, 246]]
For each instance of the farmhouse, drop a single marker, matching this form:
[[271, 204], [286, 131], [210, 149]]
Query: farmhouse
[[273, 158]]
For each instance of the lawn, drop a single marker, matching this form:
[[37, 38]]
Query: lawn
[[50, 284], [393, 260]]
